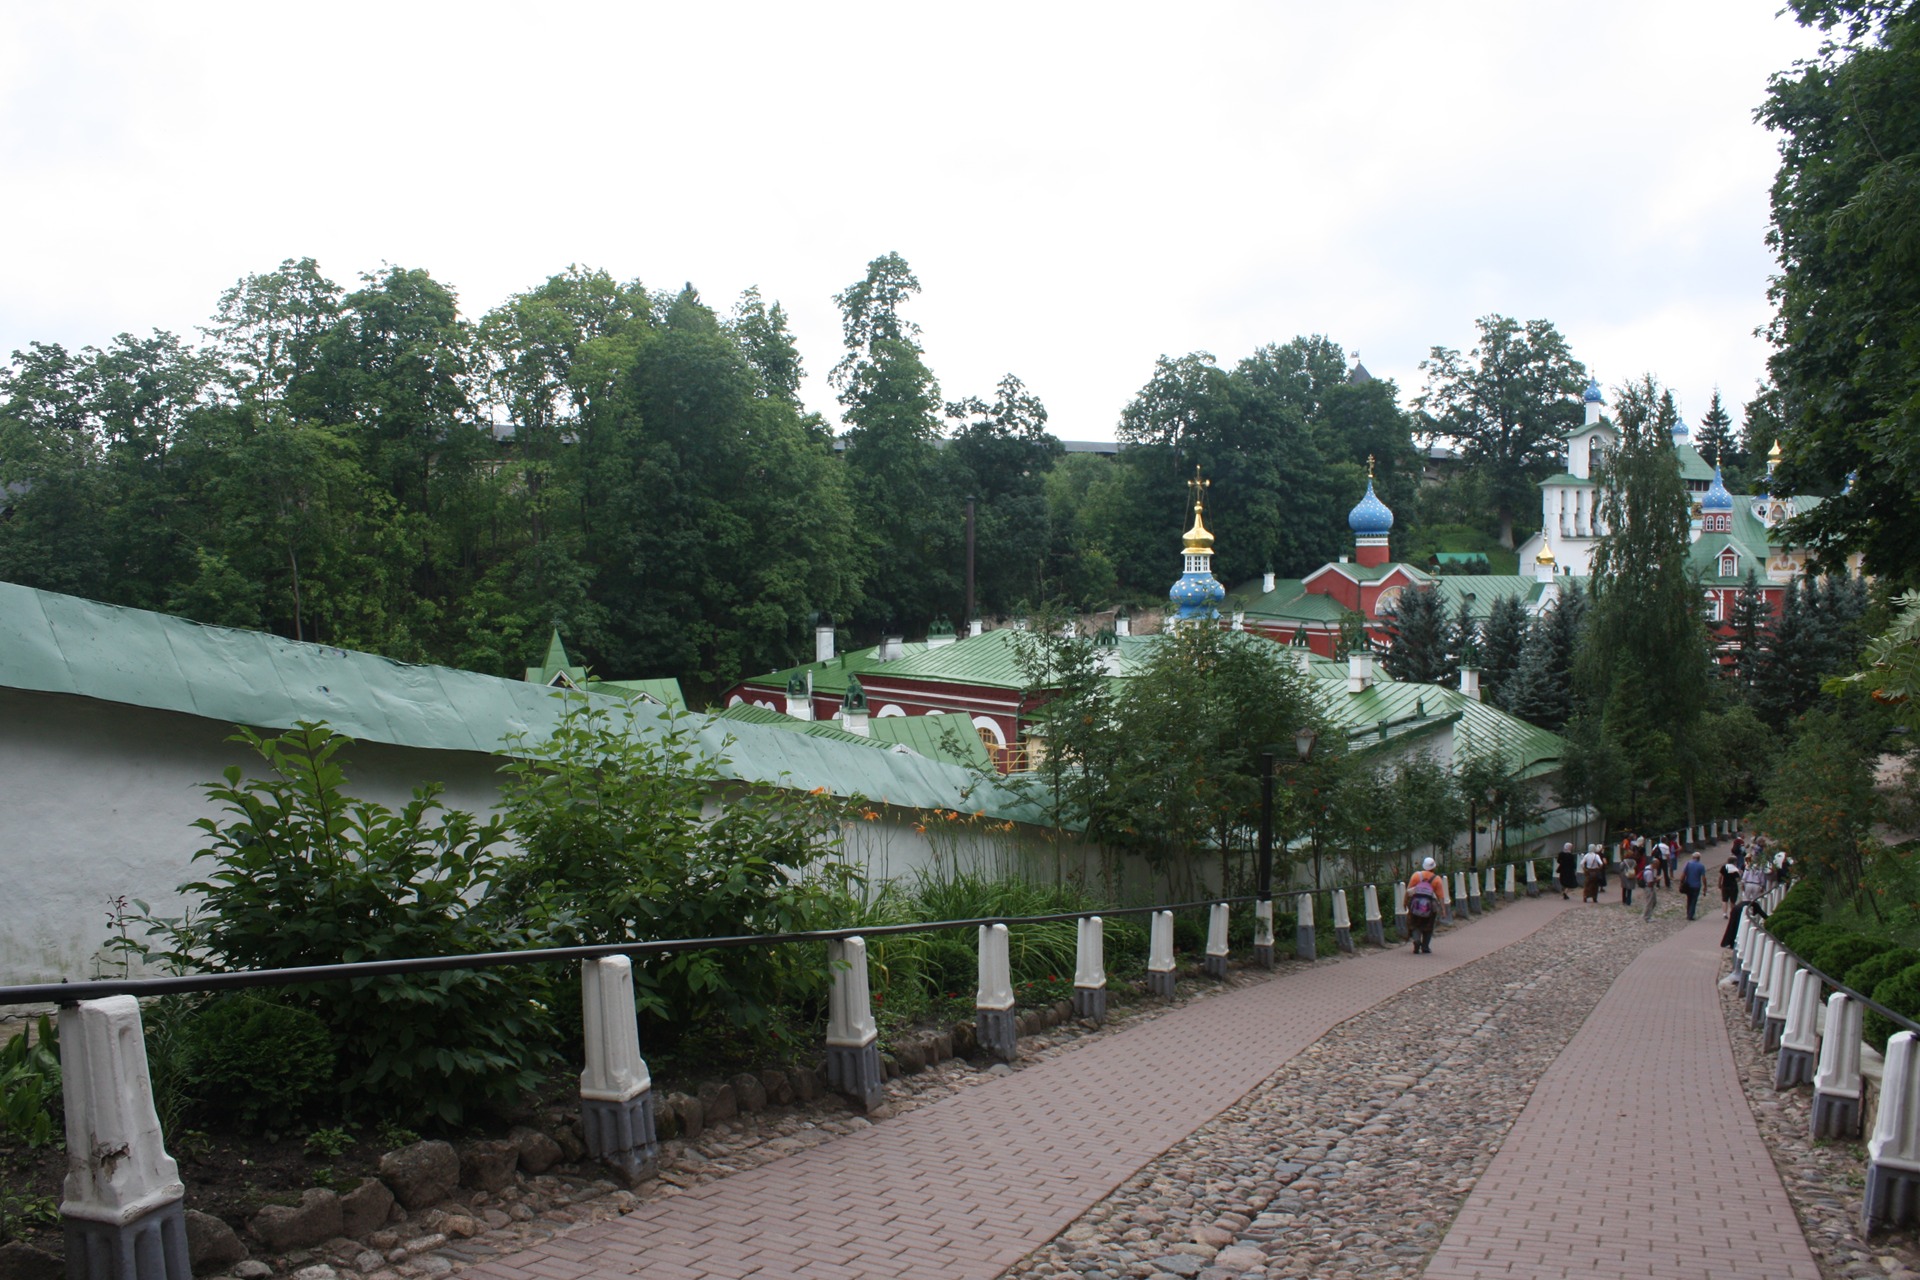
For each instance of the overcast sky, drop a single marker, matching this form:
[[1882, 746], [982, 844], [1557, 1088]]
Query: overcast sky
[[1079, 187]]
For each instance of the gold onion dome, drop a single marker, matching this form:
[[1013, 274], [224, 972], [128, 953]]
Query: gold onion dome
[[1199, 541], [1773, 454], [1545, 556]]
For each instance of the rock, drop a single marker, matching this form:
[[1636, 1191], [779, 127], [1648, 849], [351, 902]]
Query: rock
[[964, 1040], [433, 1264], [1062, 1011], [422, 1244], [383, 1240], [495, 1219], [889, 1066], [940, 1048], [537, 1152], [211, 1243], [460, 1227], [748, 1092], [692, 1116], [316, 1218], [1240, 1258], [913, 1057], [1179, 1264], [779, 1088], [489, 1165], [252, 1269], [666, 1121], [421, 1174], [24, 1262], [806, 1084], [318, 1271], [364, 1210], [368, 1260], [718, 1101], [572, 1145], [999, 1069]]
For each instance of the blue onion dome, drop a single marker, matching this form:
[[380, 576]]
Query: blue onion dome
[[1196, 592], [1593, 391], [1679, 431], [1370, 517], [1717, 497]]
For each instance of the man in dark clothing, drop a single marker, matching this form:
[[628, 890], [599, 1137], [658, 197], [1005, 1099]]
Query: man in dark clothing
[[1693, 877]]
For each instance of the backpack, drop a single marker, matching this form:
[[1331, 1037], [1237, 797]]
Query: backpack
[[1421, 899]]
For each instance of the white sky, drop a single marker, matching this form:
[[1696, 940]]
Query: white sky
[[1079, 187]]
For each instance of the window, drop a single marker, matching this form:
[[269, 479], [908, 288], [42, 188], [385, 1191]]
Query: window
[[1715, 613], [1729, 564]]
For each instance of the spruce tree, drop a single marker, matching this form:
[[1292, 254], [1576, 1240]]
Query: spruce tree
[[1466, 644], [1788, 675], [1529, 692], [1715, 437], [1752, 628], [1501, 638], [1420, 638]]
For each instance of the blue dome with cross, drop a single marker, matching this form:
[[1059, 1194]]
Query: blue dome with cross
[[1370, 517], [1593, 391], [1717, 498]]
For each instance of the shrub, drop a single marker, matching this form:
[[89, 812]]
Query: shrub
[[1834, 958], [30, 1086], [266, 1063], [1802, 937], [1870, 973], [305, 874], [1900, 993]]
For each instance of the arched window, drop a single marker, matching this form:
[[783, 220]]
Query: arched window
[[1729, 564]]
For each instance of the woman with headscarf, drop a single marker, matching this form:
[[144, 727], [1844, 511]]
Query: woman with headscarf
[[1568, 873]]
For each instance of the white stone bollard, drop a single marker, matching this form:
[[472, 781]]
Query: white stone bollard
[[1506, 886], [1342, 922], [1400, 925], [853, 1050], [1216, 961], [1836, 1081], [1090, 970], [994, 1024], [1473, 893], [122, 1207], [1777, 1001], [1758, 955], [1800, 1036], [1303, 945], [1893, 1153], [1487, 889], [1533, 880], [1160, 955], [1459, 899], [1771, 981], [1263, 933], [616, 1089], [1370, 907]]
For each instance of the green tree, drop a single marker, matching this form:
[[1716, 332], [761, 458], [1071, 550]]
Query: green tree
[[1752, 631], [1501, 639], [1422, 643], [1714, 439], [1643, 665], [1002, 451], [1508, 403], [1846, 233]]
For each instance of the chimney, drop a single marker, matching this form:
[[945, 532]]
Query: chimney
[[1359, 671], [1122, 624], [1303, 659], [800, 696], [940, 634], [1266, 582], [823, 642], [973, 628], [853, 711], [1470, 683], [1067, 631], [891, 648], [1239, 619]]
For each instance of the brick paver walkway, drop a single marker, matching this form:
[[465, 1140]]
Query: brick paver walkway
[[1675, 1184], [966, 1186]]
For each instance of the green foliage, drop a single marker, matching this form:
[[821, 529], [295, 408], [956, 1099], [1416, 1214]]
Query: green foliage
[[610, 813], [327, 1142], [20, 1212], [1839, 955], [263, 1064], [1899, 993], [1821, 802], [304, 874], [1864, 975], [30, 1086]]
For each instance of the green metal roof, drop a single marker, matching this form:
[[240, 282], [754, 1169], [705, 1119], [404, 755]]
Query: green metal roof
[[664, 690], [949, 736], [51, 643], [1567, 478], [1692, 465], [812, 728], [1305, 607], [989, 659], [831, 677], [1389, 710]]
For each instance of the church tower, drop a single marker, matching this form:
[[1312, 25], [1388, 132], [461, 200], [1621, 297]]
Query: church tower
[[1197, 594], [1371, 522]]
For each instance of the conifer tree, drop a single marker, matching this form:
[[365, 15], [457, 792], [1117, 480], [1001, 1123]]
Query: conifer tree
[[1752, 627], [1501, 638], [1421, 638], [1715, 437]]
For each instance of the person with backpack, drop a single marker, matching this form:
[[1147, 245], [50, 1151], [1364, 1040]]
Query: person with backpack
[[1693, 878], [1753, 880], [1426, 897], [1595, 868], [1650, 881], [1729, 886]]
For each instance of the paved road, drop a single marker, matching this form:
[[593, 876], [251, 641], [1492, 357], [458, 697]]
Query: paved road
[[967, 1186]]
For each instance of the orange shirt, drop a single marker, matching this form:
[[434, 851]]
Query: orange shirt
[[1438, 881]]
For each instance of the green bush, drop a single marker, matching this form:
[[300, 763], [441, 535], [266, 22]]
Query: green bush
[[1834, 958], [304, 874], [30, 1086], [1870, 973], [1803, 937], [1900, 993], [267, 1064]]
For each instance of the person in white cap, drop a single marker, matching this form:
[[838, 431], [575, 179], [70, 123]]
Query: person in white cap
[[1567, 871], [1426, 895]]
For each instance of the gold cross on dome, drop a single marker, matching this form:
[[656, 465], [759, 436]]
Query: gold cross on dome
[[1199, 487], [1369, 466]]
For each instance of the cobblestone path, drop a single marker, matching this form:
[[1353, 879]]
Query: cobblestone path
[[967, 1186]]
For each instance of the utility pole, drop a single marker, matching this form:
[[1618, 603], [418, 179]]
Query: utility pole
[[967, 622]]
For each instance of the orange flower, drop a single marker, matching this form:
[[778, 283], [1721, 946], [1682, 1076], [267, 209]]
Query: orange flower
[[868, 814], [818, 791], [921, 827]]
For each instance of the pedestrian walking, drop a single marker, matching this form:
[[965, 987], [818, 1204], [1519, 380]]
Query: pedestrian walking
[[1567, 870], [1595, 867], [1693, 878], [1753, 881], [1729, 887], [1739, 851], [1426, 895], [1630, 858], [1650, 881], [1669, 855]]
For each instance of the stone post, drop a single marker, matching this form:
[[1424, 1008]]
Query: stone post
[[853, 1050], [1160, 955], [1487, 892], [1216, 962], [1400, 925], [1263, 934], [1800, 1037], [1893, 1153], [616, 1090], [1090, 971], [1771, 980], [1533, 880], [1777, 1001], [122, 1208], [1836, 1082], [1506, 884], [1342, 922], [1370, 907], [994, 1024], [1303, 948]]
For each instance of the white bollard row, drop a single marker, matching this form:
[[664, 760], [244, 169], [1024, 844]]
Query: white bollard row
[[1777, 1001], [994, 1022], [122, 1204], [1473, 893], [1263, 933], [1303, 944], [853, 1051], [1160, 978], [1370, 905], [1090, 970], [1893, 1153], [1342, 922], [1836, 1081], [616, 1089], [1800, 1035], [1216, 961]]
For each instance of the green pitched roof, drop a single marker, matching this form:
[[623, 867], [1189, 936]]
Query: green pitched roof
[[949, 736], [51, 643], [556, 665], [1390, 710], [1692, 465], [665, 690], [1567, 478]]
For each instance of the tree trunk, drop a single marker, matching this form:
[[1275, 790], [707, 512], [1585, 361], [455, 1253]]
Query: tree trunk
[[1506, 526]]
